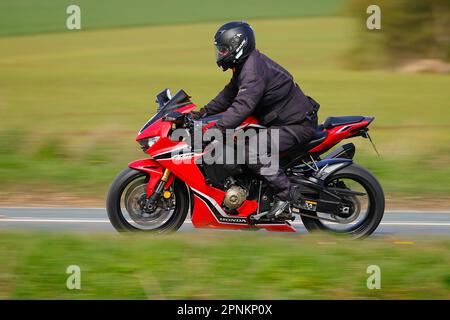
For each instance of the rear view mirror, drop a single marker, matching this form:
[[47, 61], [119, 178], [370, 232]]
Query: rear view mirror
[[163, 97]]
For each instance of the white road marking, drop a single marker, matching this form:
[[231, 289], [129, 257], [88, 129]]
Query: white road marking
[[69, 220], [425, 211], [415, 223], [54, 220]]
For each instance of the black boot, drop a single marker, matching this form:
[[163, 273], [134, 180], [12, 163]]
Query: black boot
[[278, 208], [295, 194]]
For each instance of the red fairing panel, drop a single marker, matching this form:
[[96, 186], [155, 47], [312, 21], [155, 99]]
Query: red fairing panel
[[165, 146], [159, 128], [337, 134], [209, 214], [286, 227], [250, 120]]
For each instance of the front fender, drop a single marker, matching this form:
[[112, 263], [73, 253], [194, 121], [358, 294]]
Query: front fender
[[155, 172], [146, 165]]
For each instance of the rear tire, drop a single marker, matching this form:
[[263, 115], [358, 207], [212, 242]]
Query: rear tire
[[126, 178], [376, 204]]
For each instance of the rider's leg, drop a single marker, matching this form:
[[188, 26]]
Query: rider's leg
[[288, 137]]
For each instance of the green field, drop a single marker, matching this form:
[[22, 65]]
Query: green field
[[39, 16], [220, 266], [71, 102]]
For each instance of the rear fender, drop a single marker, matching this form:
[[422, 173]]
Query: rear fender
[[346, 151], [314, 181], [328, 167], [155, 172], [323, 168]]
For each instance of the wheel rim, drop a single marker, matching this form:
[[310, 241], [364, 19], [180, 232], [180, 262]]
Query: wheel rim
[[360, 207], [131, 206]]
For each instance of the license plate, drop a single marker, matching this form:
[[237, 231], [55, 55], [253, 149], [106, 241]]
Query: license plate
[[308, 205]]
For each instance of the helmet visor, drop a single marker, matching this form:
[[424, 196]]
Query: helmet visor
[[221, 52]]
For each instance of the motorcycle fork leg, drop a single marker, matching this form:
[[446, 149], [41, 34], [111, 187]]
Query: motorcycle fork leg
[[159, 188]]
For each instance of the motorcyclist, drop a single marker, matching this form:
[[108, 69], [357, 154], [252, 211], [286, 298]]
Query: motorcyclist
[[262, 88]]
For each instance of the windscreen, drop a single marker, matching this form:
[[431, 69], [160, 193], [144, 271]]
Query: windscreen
[[181, 98]]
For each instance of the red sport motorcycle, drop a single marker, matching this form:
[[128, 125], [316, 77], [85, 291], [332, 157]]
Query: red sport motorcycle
[[157, 193]]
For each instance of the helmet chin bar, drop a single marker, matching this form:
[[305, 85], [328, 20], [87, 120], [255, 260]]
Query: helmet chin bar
[[226, 63]]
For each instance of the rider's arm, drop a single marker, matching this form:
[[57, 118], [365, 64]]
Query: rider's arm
[[223, 100], [251, 90]]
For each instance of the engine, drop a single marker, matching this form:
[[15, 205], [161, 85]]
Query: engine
[[234, 197]]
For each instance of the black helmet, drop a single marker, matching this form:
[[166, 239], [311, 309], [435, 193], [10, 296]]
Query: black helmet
[[234, 42]]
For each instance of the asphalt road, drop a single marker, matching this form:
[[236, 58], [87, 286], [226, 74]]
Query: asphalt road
[[96, 220]]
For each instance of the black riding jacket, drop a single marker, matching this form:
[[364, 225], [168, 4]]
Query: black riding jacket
[[262, 88]]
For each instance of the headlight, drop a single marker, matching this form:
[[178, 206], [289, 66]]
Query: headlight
[[152, 141], [147, 143]]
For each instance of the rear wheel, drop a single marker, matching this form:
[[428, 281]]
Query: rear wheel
[[365, 212], [126, 204]]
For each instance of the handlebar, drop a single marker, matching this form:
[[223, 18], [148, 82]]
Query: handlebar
[[188, 121]]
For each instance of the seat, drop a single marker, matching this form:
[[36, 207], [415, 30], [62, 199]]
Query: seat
[[291, 155], [319, 137], [331, 122]]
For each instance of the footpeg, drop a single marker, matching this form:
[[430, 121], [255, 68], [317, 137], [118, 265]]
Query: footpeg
[[285, 215], [258, 216]]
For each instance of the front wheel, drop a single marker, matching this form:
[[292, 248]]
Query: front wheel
[[126, 209], [366, 211]]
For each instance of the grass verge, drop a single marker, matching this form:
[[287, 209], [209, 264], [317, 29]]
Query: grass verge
[[220, 266]]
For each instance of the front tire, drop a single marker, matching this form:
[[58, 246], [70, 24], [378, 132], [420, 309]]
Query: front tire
[[117, 212], [375, 209]]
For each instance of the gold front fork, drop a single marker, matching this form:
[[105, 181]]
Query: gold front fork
[[165, 175]]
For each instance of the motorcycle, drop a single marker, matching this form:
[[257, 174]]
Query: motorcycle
[[157, 193]]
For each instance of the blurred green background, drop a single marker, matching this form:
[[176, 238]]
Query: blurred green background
[[71, 102]]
